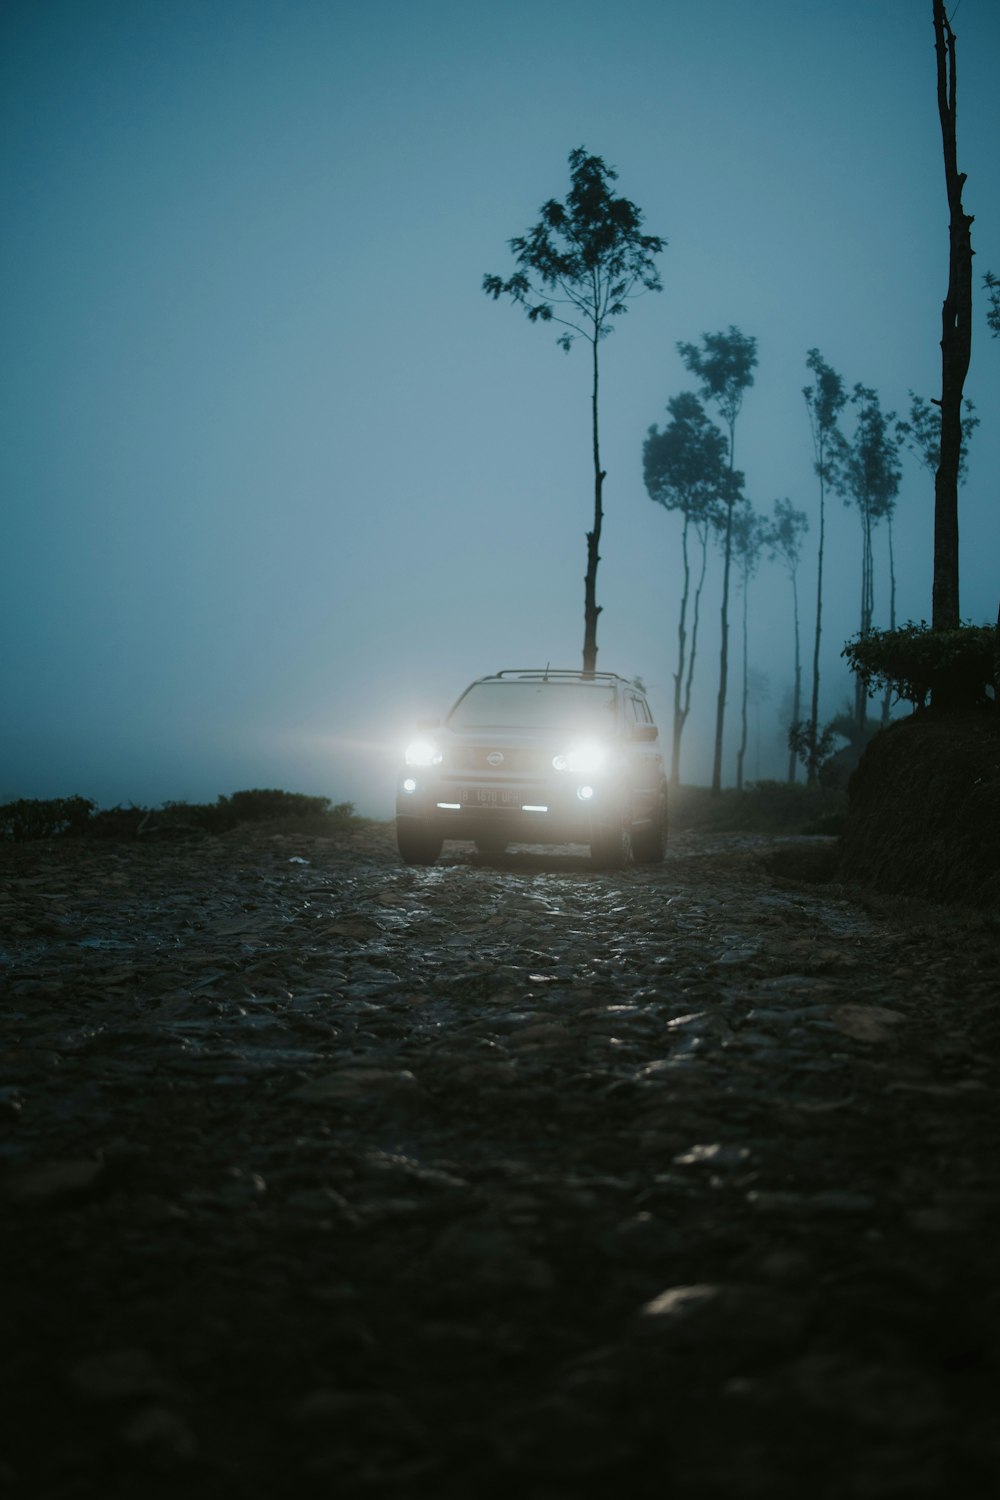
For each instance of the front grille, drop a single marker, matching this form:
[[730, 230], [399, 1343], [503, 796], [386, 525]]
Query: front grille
[[474, 760]]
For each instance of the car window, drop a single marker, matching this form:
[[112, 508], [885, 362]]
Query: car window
[[535, 705]]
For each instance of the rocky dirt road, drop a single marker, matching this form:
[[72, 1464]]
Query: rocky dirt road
[[325, 1176]]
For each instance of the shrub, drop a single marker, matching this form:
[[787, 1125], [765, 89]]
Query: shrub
[[952, 668], [268, 805], [24, 820], [778, 807], [117, 822], [32, 819]]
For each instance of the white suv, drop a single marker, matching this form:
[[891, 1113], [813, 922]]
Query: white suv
[[537, 757]]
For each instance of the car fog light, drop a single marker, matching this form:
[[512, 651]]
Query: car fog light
[[409, 785], [585, 793]]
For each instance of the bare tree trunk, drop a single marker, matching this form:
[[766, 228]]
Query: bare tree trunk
[[703, 538], [797, 691], [720, 704], [591, 608], [741, 753], [679, 712], [812, 767], [956, 341], [867, 613], [887, 700]]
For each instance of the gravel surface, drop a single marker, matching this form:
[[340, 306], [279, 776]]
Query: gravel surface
[[326, 1176]]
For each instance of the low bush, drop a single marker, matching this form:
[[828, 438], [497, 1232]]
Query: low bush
[[25, 820], [945, 669], [31, 819], [264, 806], [762, 807]]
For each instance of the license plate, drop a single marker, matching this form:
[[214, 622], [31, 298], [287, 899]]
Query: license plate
[[482, 796]]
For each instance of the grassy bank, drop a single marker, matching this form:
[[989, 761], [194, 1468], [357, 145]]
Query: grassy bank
[[762, 807]]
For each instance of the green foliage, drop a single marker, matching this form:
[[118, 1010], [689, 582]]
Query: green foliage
[[783, 538], [263, 806], [762, 807], [866, 469], [922, 434], [583, 260], [684, 466], [724, 365], [807, 742], [26, 820], [810, 745], [951, 668], [825, 400], [31, 819], [856, 732], [750, 537], [117, 822], [992, 285]]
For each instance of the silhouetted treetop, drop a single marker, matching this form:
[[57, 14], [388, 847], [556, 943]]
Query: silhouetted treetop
[[867, 469], [724, 365], [825, 401], [992, 285], [784, 539], [578, 267], [584, 259], [684, 466]]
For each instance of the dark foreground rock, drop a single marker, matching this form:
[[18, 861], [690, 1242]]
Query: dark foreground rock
[[324, 1176]]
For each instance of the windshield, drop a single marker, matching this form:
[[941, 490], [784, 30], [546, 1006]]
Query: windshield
[[535, 705]]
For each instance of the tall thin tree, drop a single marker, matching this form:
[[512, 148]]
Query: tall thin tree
[[921, 434], [867, 472], [956, 338], [724, 364], [579, 266], [784, 545], [824, 402], [684, 467], [749, 539]]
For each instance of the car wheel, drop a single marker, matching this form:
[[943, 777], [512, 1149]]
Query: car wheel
[[491, 847], [418, 844], [649, 844], [611, 845]]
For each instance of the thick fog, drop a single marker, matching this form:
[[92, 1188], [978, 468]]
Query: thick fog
[[277, 477]]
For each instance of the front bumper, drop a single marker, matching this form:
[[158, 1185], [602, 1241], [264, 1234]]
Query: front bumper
[[551, 812]]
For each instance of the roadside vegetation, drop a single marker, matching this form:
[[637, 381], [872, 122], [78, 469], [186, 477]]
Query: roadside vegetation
[[79, 817], [779, 807]]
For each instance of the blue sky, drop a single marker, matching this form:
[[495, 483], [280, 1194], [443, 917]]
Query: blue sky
[[276, 476]]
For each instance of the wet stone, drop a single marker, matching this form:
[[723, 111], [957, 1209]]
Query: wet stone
[[323, 1173]]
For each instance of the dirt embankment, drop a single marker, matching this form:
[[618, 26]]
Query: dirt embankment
[[323, 1175], [924, 817]]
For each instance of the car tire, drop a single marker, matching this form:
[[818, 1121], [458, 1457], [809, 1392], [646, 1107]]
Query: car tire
[[611, 845], [491, 847], [417, 842], [649, 844]]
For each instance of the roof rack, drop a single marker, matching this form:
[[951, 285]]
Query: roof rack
[[544, 673]]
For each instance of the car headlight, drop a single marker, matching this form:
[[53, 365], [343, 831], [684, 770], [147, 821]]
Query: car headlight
[[422, 753], [582, 759]]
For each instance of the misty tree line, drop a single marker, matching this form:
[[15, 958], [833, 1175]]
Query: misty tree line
[[689, 469], [582, 264]]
